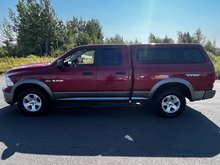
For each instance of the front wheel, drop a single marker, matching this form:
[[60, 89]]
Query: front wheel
[[33, 102], [170, 103]]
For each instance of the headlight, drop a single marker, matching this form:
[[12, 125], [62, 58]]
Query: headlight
[[8, 81]]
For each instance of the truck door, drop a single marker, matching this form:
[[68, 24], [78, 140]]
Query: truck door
[[77, 78], [113, 72]]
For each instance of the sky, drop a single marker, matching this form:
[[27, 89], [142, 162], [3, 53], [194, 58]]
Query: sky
[[138, 18]]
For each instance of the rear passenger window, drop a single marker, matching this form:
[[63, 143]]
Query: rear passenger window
[[154, 56], [169, 55], [193, 56], [110, 57]]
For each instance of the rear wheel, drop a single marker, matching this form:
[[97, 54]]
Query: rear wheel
[[33, 102], [170, 103]]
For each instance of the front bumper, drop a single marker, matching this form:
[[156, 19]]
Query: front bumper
[[8, 95]]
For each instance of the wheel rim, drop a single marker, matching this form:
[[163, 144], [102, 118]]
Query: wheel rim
[[32, 102], [170, 104]]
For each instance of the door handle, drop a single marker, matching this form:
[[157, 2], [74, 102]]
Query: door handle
[[87, 73], [120, 73]]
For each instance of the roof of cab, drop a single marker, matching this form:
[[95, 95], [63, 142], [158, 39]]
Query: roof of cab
[[141, 45]]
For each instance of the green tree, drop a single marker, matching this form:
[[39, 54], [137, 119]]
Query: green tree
[[133, 42], [48, 23], [34, 24], [153, 39], [75, 27], [199, 37], [94, 30], [60, 39], [210, 46], [136, 41], [83, 39], [3, 52], [184, 37], [7, 38], [117, 39], [82, 32], [71, 35], [166, 39]]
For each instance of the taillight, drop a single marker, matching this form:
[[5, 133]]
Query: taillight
[[213, 76]]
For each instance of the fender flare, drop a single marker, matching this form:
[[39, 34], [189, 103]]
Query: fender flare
[[35, 82], [172, 80]]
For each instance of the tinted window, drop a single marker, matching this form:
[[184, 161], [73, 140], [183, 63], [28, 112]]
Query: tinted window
[[193, 55], [169, 55], [110, 57]]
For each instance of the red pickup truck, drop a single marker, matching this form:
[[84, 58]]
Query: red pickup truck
[[165, 74]]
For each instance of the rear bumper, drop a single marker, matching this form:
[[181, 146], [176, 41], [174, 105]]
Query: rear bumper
[[203, 95], [209, 94], [8, 95]]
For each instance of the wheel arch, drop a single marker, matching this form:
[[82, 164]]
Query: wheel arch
[[179, 83], [31, 83]]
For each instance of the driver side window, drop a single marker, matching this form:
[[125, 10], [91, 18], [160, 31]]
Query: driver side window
[[80, 58]]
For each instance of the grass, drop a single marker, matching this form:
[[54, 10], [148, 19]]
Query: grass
[[10, 62], [216, 61]]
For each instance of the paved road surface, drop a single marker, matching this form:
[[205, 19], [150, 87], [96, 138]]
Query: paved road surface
[[111, 136]]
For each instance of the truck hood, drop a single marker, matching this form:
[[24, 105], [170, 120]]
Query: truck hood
[[35, 65], [28, 67]]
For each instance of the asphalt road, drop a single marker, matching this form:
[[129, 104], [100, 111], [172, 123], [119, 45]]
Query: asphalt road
[[106, 135]]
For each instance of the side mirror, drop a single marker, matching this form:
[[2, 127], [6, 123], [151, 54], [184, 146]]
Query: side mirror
[[60, 63]]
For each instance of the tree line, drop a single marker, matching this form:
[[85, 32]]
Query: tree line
[[186, 37], [35, 29]]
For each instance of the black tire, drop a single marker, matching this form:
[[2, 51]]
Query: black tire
[[170, 103], [39, 102]]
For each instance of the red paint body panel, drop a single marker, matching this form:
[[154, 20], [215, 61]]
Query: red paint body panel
[[74, 80], [109, 80], [147, 77]]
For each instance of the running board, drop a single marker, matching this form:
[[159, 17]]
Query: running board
[[102, 99], [80, 104], [96, 99]]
